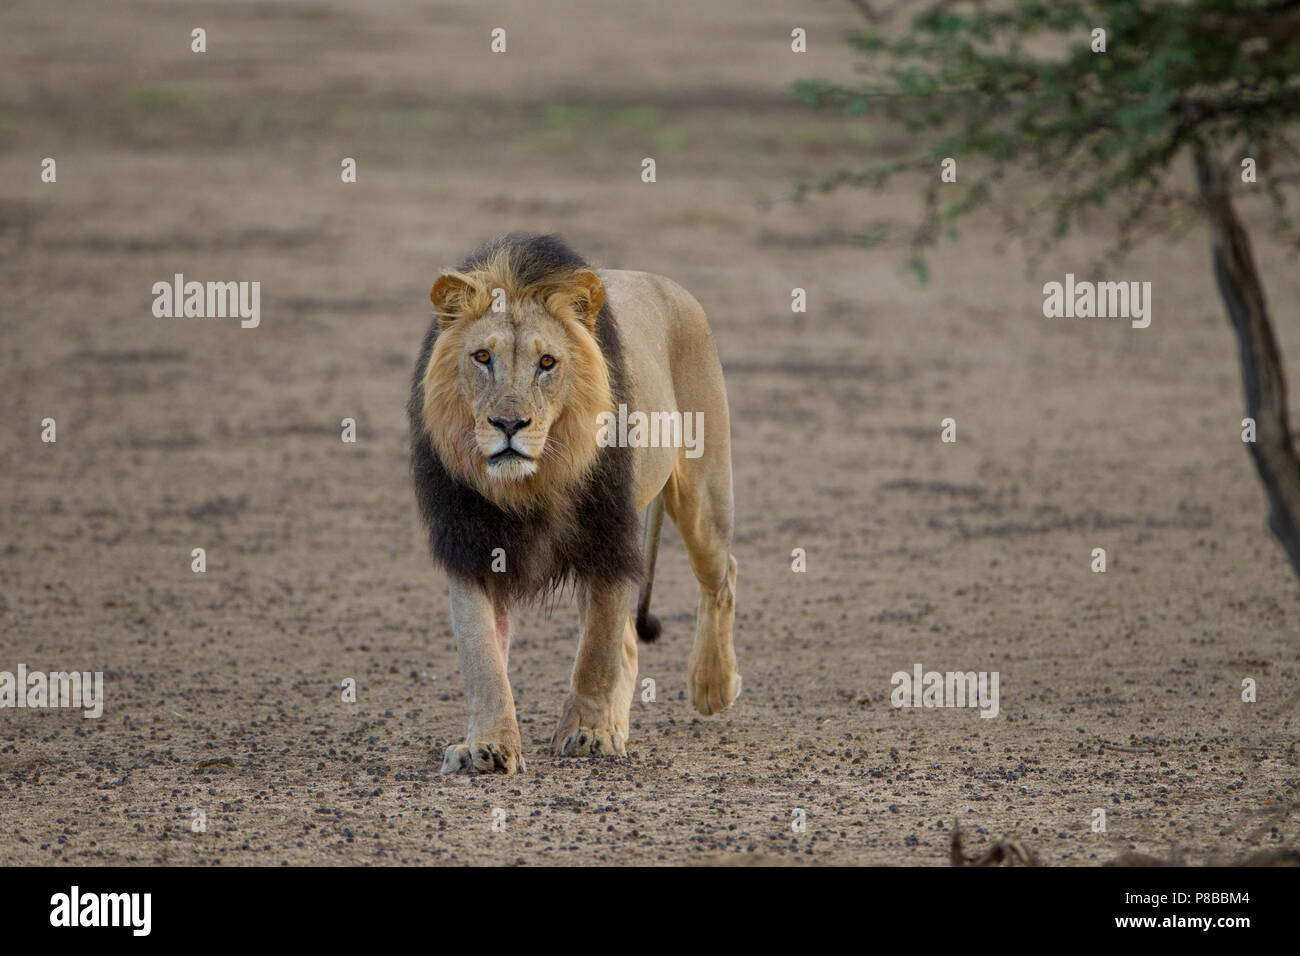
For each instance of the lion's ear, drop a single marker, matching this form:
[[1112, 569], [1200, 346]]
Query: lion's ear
[[583, 294], [455, 296]]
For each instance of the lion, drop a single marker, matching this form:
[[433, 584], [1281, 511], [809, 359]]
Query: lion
[[530, 357]]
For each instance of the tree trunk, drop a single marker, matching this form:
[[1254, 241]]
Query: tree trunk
[[1261, 364]]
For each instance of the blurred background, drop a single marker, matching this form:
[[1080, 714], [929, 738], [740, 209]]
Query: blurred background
[[174, 434]]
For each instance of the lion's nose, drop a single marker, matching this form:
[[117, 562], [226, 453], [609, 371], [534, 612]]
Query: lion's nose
[[510, 425]]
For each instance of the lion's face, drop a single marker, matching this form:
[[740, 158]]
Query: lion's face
[[512, 396], [516, 372]]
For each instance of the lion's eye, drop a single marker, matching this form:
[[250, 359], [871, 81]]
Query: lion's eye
[[482, 356], [547, 361]]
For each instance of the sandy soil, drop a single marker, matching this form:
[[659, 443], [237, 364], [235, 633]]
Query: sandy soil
[[223, 688]]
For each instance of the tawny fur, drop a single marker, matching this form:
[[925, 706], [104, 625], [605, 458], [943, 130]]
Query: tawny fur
[[569, 512]]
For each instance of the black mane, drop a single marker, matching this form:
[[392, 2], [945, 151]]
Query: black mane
[[596, 542]]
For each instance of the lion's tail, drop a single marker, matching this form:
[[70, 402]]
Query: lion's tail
[[647, 625]]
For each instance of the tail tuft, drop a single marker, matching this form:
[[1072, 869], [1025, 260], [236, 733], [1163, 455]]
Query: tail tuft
[[647, 627]]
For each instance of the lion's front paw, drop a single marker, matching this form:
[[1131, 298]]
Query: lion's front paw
[[483, 756], [587, 732], [714, 684], [591, 741]]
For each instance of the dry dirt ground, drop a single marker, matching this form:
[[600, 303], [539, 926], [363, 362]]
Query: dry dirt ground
[[223, 688]]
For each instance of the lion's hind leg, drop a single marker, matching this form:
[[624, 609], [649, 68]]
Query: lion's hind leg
[[698, 499]]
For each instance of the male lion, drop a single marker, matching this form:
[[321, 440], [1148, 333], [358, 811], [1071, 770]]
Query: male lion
[[521, 496]]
